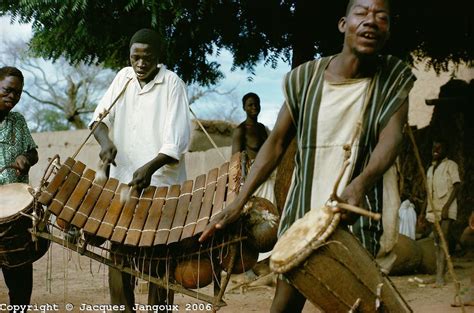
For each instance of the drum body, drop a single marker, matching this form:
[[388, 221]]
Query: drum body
[[16, 245], [336, 271]]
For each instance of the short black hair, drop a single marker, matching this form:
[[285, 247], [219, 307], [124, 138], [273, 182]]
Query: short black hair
[[146, 36], [350, 3], [250, 95], [11, 71]]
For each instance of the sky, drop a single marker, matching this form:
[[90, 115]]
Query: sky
[[266, 82]]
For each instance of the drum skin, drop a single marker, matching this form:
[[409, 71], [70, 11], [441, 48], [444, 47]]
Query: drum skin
[[16, 245], [194, 273]]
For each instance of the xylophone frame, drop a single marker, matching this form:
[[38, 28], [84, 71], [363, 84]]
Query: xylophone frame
[[215, 300], [219, 288]]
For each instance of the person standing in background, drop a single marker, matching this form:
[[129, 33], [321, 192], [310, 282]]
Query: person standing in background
[[443, 186]]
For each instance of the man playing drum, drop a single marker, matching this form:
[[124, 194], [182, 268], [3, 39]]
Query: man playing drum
[[325, 101], [149, 134], [17, 154]]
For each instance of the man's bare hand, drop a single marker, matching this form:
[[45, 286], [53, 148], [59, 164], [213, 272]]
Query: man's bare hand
[[142, 177], [229, 215], [445, 213], [107, 153], [21, 164], [353, 194]]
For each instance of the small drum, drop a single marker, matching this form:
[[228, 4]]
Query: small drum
[[16, 245], [329, 266]]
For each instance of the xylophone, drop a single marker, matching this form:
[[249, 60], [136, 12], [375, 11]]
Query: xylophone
[[160, 223]]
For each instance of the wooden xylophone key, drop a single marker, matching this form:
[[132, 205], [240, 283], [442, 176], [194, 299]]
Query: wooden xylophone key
[[87, 205], [120, 230], [167, 215], [53, 187], [77, 196], [67, 188], [154, 216], [181, 212], [111, 217], [206, 207], [139, 218], [220, 190], [100, 208], [194, 207]]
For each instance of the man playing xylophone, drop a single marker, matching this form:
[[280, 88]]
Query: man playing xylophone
[[325, 100], [145, 137]]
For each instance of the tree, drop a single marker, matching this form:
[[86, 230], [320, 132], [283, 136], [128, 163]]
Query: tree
[[56, 96], [254, 31], [211, 103]]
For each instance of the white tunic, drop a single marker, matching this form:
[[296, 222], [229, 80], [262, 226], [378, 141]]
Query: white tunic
[[147, 121], [339, 112], [440, 186], [407, 215]]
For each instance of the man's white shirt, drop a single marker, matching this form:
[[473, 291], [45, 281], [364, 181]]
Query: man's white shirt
[[147, 121]]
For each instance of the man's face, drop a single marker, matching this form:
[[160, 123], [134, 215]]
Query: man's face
[[252, 107], [366, 27], [10, 93], [144, 60], [438, 151]]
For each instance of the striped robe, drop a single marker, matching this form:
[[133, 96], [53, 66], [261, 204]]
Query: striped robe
[[303, 88]]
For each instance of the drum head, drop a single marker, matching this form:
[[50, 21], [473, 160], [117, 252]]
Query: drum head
[[301, 239], [14, 198]]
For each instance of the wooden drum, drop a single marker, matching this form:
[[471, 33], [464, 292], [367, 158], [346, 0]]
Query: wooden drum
[[329, 266], [16, 245]]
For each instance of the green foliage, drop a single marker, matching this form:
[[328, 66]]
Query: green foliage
[[51, 120], [253, 30]]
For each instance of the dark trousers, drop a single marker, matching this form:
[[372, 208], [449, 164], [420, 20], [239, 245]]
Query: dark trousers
[[19, 281], [122, 285]]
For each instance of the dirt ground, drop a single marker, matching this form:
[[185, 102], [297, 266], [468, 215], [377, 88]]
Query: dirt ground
[[79, 280]]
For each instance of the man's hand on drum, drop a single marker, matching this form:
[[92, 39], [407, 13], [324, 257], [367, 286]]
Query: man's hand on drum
[[230, 214], [353, 194]]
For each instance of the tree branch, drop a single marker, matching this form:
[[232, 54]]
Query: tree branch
[[85, 111], [44, 101]]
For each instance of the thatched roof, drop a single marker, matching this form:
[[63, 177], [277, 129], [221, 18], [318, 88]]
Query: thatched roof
[[220, 132], [215, 127]]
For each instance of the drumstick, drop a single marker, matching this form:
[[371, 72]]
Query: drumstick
[[101, 176], [352, 208], [126, 193]]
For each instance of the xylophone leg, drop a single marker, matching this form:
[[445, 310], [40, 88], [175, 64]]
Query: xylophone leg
[[225, 280]]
